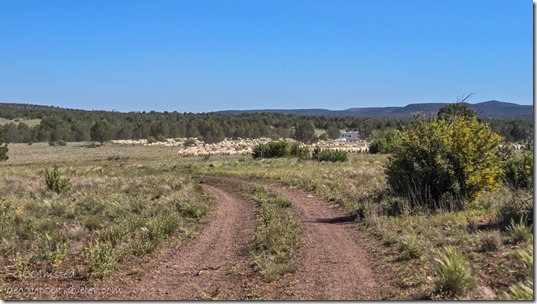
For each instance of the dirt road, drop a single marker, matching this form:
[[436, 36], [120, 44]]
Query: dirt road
[[333, 263]]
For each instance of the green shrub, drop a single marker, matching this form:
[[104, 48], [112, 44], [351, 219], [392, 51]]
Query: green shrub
[[3, 152], [300, 152], [453, 276], [273, 149], [442, 160], [329, 155], [385, 141], [151, 140], [280, 148], [54, 180], [519, 171], [52, 245], [189, 142], [62, 143], [100, 257], [3, 148]]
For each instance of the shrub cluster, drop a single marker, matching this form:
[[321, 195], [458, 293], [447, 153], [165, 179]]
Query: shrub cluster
[[280, 148], [519, 171], [329, 155], [516, 210], [3, 148], [441, 160], [385, 141]]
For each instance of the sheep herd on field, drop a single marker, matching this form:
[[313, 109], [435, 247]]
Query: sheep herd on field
[[196, 147]]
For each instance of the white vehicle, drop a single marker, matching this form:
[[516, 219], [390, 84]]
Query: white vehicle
[[350, 136]]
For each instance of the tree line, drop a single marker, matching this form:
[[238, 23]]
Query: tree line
[[59, 124]]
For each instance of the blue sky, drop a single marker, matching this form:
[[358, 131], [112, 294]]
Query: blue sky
[[201, 55]]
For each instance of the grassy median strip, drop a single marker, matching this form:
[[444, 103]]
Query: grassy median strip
[[277, 236]]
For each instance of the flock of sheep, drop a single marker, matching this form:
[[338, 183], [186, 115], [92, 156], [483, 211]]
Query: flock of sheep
[[195, 147]]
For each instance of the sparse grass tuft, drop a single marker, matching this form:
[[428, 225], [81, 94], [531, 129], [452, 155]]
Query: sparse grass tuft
[[519, 231], [411, 247], [54, 180], [522, 291], [490, 240], [453, 274]]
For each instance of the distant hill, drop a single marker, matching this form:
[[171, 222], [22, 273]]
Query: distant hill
[[493, 108]]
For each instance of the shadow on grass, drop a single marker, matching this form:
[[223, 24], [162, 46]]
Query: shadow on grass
[[338, 220]]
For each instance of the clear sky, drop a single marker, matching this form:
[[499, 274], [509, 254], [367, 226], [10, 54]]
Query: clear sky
[[201, 55]]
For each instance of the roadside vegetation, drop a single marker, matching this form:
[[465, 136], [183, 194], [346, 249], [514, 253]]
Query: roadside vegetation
[[87, 218]]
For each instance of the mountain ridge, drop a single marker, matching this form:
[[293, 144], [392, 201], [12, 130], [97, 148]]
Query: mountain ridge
[[491, 108]]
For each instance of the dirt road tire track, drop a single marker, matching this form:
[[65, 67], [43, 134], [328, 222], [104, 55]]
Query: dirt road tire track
[[335, 264], [213, 265]]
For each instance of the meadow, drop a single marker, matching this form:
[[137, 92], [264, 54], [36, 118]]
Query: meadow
[[124, 203]]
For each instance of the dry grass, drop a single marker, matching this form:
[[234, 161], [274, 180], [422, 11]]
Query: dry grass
[[113, 211]]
